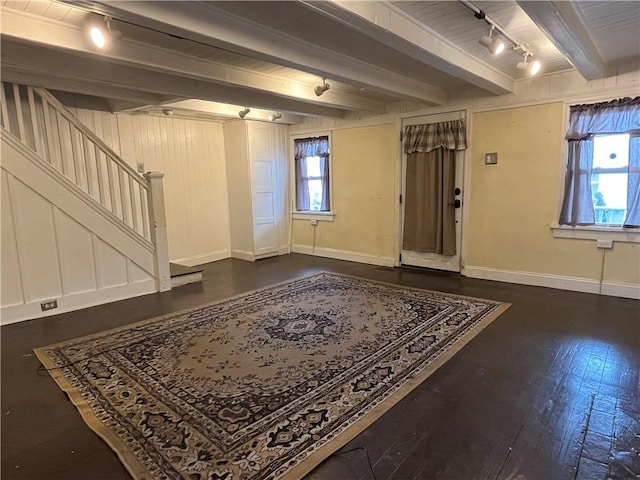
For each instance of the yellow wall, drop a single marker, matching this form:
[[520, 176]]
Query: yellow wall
[[510, 206], [364, 177]]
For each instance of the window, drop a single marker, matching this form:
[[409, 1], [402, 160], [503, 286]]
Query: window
[[602, 184], [311, 156], [609, 178]]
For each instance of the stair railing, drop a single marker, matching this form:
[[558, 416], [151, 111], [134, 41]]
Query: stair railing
[[45, 126]]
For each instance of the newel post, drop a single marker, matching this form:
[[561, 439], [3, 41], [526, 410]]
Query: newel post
[[158, 221]]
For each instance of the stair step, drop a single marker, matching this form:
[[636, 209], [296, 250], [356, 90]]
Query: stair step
[[182, 275]]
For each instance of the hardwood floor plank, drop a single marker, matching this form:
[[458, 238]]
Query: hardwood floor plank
[[539, 394]]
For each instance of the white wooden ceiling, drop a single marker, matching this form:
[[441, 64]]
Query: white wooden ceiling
[[270, 55]]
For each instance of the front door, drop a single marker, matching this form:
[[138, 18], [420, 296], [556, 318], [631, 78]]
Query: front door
[[435, 260]]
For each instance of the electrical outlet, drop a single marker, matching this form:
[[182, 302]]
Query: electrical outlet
[[50, 305], [604, 243]]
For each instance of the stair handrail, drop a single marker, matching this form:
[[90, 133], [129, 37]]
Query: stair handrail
[[94, 138]]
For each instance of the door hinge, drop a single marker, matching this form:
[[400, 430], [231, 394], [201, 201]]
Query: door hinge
[[401, 135], [401, 198], [400, 258]]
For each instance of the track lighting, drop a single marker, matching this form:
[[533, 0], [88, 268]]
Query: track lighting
[[320, 89], [243, 113], [100, 34], [531, 67], [493, 44], [97, 37], [274, 116], [496, 45]]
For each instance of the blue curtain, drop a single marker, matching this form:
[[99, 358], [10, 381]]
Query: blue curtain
[[585, 121]]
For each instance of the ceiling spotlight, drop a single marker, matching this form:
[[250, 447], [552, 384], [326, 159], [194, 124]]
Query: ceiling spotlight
[[167, 111], [493, 44], [320, 89], [100, 33], [97, 37], [274, 116], [243, 113], [531, 67]]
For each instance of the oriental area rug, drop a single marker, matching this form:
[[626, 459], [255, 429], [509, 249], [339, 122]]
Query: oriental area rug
[[264, 385]]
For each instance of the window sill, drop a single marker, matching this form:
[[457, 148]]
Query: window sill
[[320, 216], [616, 234]]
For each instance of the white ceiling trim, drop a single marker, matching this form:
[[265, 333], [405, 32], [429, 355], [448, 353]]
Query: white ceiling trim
[[213, 26]]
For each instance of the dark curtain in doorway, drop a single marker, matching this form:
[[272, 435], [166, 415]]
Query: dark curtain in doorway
[[429, 211]]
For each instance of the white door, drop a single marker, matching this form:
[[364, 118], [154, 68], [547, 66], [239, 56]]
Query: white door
[[434, 260], [262, 156]]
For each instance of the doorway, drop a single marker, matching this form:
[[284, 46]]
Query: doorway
[[426, 259]]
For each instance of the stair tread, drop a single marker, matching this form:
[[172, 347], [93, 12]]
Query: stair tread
[[180, 270]]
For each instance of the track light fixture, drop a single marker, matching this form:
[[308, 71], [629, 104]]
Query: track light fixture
[[274, 116], [531, 67], [493, 44], [496, 45], [97, 37], [100, 34], [320, 89], [243, 113]]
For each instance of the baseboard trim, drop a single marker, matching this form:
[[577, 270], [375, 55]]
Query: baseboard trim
[[196, 260], [243, 255], [344, 255], [77, 301], [576, 284], [626, 290]]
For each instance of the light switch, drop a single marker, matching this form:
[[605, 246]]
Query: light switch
[[491, 158]]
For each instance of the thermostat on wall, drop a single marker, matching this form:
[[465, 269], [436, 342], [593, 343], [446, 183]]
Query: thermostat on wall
[[491, 158]]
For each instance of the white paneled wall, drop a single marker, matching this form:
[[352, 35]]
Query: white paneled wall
[[191, 155], [48, 255]]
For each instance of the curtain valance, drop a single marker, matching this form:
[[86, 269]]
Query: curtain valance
[[617, 116], [311, 147], [426, 138]]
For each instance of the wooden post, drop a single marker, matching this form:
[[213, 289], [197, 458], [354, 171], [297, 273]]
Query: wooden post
[[158, 223]]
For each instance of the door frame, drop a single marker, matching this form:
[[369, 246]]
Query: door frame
[[416, 118]]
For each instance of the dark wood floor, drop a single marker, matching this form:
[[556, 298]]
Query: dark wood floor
[[550, 390]]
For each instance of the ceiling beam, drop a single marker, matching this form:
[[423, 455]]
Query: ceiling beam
[[229, 111], [204, 22], [35, 60], [562, 23], [24, 27], [391, 26], [118, 94]]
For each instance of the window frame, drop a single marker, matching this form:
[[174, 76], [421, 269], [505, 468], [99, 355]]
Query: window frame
[[309, 214], [616, 233]]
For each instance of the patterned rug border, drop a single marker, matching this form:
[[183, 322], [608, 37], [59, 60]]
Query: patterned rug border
[[138, 472]]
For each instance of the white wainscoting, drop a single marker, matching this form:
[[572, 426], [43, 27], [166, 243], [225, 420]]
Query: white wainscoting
[[191, 155], [575, 284], [56, 246]]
